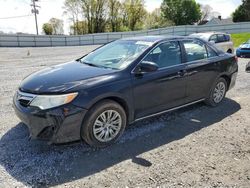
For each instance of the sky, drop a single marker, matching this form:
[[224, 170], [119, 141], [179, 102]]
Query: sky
[[54, 8]]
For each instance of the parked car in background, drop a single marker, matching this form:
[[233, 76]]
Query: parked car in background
[[244, 49], [220, 40], [95, 97]]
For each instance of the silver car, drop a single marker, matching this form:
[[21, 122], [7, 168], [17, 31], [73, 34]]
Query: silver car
[[220, 40]]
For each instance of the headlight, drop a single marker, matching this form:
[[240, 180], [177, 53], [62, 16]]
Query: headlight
[[50, 101]]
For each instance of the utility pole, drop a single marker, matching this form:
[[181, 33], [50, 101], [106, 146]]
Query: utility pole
[[35, 11]]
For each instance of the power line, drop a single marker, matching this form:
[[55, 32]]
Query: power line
[[12, 17]]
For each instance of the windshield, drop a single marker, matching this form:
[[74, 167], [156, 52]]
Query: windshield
[[116, 55]]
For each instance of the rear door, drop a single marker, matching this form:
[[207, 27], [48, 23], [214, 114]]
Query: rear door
[[201, 68]]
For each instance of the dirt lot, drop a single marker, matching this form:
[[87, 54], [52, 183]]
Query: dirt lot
[[197, 146]]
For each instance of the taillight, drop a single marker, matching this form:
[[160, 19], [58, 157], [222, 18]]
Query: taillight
[[236, 59]]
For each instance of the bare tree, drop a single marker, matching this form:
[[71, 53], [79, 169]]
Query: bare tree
[[206, 11], [57, 26], [73, 9]]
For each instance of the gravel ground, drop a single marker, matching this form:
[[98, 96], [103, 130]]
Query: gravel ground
[[197, 146]]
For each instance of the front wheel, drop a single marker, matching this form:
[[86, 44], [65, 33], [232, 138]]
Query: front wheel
[[217, 92], [104, 124]]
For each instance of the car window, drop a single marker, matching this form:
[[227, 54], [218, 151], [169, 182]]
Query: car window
[[227, 38], [211, 52], [165, 55], [221, 38], [195, 50], [213, 38]]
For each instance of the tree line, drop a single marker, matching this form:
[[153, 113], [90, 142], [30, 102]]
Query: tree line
[[96, 16]]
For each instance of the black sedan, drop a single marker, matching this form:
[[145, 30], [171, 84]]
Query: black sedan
[[95, 97]]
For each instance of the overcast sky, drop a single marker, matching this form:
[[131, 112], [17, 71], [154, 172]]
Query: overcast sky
[[53, 8]]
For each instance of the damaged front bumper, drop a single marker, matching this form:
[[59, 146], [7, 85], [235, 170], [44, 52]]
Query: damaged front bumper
[[57, 125]]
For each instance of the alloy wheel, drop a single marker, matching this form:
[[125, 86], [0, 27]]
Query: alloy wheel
[[107, 125], [219, 92]]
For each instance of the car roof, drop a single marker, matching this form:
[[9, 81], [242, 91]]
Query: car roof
[[156, 38], [206, 35]]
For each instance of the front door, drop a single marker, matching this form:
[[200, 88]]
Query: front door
[[163, 89]]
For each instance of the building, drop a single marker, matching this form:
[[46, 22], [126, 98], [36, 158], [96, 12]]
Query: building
[[219, 20]]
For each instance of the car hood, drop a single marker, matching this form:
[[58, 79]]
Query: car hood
[[247, 45], [64, 77]]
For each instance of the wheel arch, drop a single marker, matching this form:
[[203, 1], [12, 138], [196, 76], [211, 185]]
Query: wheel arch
[[227, 78], [125, 104]]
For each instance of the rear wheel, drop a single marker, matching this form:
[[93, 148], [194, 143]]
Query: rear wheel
[[217, 92], [104, 124]]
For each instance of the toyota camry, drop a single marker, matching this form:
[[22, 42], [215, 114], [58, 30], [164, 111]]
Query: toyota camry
[[96, 96]]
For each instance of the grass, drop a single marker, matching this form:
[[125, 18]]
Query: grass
[[239, 38]]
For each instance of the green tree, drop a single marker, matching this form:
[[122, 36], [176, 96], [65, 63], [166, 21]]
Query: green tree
[[95, 12], [47, 29], [181, 12], [79, 28], [133, 14], [114, 7], [242, 13], [155, 20]]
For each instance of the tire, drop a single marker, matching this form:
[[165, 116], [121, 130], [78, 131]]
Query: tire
[[98, 129], [217, 93], [229, 51]]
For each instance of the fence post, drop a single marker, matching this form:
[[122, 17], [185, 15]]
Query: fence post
[[35, 41], [50, 40], [18, 41]]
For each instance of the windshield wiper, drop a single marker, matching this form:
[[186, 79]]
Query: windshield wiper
[[94, 65], [91, 64]]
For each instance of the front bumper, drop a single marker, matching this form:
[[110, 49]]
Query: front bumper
[[57, 125]]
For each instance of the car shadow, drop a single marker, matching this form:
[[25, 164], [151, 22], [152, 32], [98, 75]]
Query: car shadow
[[35, 163]]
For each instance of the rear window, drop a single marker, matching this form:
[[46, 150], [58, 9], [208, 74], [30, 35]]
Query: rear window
[[227, 38], [195, 50], [221, 38]]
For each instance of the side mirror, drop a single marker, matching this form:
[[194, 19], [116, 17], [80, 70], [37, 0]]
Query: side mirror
[[248, 67], [147, 66]]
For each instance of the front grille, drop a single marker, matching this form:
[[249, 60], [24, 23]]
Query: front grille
[[245, 49], [24, 98]]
